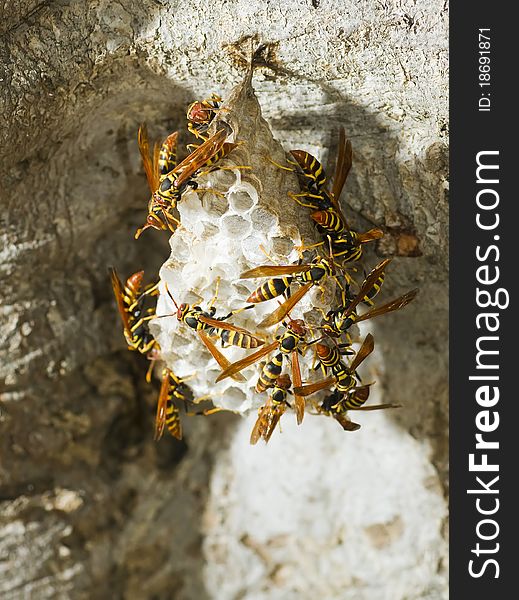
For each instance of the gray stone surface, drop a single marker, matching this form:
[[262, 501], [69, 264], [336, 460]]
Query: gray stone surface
[[90, 506]]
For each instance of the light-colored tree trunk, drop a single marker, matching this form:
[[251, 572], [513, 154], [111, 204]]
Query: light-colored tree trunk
[[90, 506]]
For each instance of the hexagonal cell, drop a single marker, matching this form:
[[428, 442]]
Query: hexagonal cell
[[214, 205], [233, 398], [235, 226], [263, 220], [240, 202]]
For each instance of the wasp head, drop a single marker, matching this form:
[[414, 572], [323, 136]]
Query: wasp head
[[297, 326], [199, 112], [182, 311]]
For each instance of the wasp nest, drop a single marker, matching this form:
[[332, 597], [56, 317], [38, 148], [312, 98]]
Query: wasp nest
[[245, 219]]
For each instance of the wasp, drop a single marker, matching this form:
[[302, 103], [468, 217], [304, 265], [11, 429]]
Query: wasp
[[168, 414], [377, 286], [338, 321], [307, 275], [205, 324], [183, 175], [200, 115], [290, 342], [337, 405], [157, 164], [130, 303], [272, 411], [195, 318], [346, 244], [344, 377], [170, 186]]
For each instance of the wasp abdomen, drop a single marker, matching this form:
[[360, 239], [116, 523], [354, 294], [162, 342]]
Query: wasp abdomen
[[173, 420], [270, 289], [237, 338], [329, 220], [270, 373]]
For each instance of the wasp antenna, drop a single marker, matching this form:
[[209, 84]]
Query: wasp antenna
[[170, 295]]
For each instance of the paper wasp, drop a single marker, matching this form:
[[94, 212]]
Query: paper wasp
[[289, 342], [337, 405], [344, 377], [200, 114], [307, 275], [157, 165], [183, 175], [272, 411], [168, 414], [346, 244], [195, 318], [130, 303], [205, 324], [338, 321]]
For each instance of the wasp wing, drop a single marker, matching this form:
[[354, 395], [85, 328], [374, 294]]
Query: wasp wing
[[311, 388], [272, 419], [160, 417], [342, 168], [150, 163], [369, 236], [367, 286], [299, 401], [376, 407], [247, 361], [218, 356], [198, 158], [117, 287], [396, 304], [282, 311], [259, 425], [365, 350], [229, 326], [345, 423], [273, 270]]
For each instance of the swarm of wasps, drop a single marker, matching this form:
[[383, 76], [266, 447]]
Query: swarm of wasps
[[280, 374]]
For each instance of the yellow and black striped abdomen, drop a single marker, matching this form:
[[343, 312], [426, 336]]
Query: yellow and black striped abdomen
[[132, 288], [173, 420], [329, 220], [167, 160], [312, 171], [315, 274], [237, 338], [270, 289], [368, 298], [354, 400], [270, 373], [330, 358]]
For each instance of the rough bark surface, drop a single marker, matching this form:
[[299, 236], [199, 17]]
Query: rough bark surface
[[90, 506]]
